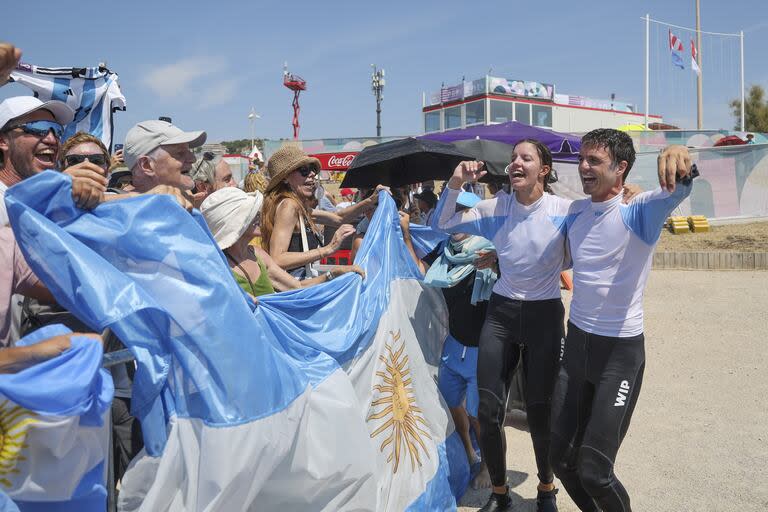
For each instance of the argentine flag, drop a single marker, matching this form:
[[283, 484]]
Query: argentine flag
[[55, 441], [316, 399]]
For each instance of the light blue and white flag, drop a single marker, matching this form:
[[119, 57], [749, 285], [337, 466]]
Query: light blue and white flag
[[55, 439], [93, 93], [425, 238], [317, 399]]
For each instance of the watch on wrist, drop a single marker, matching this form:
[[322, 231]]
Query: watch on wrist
[[329, 276]]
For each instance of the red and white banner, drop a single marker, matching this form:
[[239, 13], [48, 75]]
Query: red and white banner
[[335, 161], [695, 59]]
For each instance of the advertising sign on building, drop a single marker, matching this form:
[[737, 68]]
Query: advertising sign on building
[[458, 92], [582, 101], [453, 93], [335, 161], [522, 88]]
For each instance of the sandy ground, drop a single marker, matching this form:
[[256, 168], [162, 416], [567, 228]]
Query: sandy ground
[[699, 436], [752, 237]]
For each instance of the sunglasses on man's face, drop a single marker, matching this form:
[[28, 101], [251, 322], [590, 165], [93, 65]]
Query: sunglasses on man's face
[[39, 128], [97, 159], [306, 170]]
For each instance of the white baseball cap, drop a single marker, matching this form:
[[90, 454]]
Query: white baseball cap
[[148, 135], [18, 106]]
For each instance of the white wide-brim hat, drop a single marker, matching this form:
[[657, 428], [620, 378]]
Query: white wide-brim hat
[[228, 213]]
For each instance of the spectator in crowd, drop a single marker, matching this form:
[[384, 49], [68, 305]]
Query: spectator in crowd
[[426, 201], [466, 290], [211, 174], [30, 131], [495, 187], [15, 278], [233, 217], [120, 180], [255, 181], [750, 138], [325, 201], [84, 147], [347, 198], [289, 223], [118, 158], [159, 153]]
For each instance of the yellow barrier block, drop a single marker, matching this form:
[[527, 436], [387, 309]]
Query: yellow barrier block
[[698, 223], [678, 225]]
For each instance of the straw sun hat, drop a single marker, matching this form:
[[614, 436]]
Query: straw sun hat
[[286, 160], [228, 213]]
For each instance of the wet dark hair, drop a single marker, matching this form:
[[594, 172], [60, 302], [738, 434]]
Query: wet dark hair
[[365, 193], [617, 143], [545, 155]]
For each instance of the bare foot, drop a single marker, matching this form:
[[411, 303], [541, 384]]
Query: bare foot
[[482, 480]]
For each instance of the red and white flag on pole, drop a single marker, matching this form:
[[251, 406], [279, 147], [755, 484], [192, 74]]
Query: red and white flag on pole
[[676, 49], [695, 59]]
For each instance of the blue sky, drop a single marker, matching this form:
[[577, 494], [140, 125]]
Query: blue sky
[[206, 64]]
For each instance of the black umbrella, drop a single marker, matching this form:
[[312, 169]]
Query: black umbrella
[[496, 155], [402, 162]]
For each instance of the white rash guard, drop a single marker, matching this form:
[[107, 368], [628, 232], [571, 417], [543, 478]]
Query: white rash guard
[[529, 240], [611, 245]]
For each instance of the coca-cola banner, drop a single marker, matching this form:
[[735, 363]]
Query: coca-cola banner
[[335, 161]]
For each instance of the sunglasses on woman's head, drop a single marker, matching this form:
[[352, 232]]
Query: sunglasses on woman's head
[[97, 159], [306, 170], [39, 128]]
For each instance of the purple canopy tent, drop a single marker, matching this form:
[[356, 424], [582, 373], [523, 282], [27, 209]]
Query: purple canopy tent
[[564, 147]]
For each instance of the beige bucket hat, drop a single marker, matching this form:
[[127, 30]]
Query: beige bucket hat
[[286, 160]]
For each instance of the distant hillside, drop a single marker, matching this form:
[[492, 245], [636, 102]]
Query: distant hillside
[[242, 146]]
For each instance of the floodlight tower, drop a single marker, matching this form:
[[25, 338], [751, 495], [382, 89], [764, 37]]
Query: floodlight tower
[[296, 84]]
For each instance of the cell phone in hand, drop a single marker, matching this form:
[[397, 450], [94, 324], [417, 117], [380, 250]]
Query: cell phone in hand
[[118, 147]]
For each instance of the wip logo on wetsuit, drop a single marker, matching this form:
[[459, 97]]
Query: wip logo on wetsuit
[[621, 398]]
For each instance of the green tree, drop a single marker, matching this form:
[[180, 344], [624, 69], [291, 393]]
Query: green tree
[[241, 146], [755, 110]]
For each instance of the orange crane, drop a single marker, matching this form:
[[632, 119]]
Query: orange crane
[[296, 84]]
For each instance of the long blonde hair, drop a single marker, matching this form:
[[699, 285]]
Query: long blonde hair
[[272, 199], [255, 181]]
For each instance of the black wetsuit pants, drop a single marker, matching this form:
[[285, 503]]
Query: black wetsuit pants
[[513, 329], [596, 392]]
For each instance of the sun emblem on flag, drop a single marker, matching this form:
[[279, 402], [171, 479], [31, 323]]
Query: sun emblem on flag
[[402, 414], [14, 427]]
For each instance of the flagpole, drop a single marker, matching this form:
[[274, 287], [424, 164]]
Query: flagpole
[[647, 65], [743, 121], [699, 80]]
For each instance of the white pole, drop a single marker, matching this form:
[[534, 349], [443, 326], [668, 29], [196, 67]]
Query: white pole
[[700, 78], [647, 66], [743, 121]]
